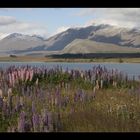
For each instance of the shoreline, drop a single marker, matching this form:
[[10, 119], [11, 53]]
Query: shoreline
[[69, 60]]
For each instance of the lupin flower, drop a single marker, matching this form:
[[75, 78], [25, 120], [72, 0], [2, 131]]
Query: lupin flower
[[36, 81], [35, 120], [10, 103], [50, 125], [21, 122], [1, 93], [30, 75], [33, 107], [75, 98], [41, 123], [1, 103], [21, 101], [58, 96], [9, 92], [18, 106], [45, 117]]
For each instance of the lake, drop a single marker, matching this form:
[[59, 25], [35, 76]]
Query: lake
[[132, 69]]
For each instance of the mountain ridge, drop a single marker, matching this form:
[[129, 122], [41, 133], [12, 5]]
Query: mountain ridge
[[103, 34]]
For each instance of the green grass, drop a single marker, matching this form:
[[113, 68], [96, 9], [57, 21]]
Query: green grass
[[110, 111]]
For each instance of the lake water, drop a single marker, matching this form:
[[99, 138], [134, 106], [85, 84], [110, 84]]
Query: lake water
[[132, 69]]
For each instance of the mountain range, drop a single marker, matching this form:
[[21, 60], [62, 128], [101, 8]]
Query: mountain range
[[91, 39]]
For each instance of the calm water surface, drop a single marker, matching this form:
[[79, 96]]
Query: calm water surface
[[132, 69]]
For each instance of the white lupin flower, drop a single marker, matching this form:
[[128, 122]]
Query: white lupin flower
[[9, 92], [1, 93], [36, 82]]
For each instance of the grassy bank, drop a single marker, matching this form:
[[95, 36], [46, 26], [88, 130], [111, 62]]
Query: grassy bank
[[48, 59]]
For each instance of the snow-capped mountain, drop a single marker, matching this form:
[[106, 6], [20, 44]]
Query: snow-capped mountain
[[18, 41], [80, 40], [98, 33]]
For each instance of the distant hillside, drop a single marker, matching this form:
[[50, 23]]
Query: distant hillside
[[99, 33], [59, 41], [18, 41], [88, 46]]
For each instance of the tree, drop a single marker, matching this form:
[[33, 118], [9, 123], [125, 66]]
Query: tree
[[13, 55]]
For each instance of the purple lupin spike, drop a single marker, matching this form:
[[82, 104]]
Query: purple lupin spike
[[21, 122], [35, 120], [1, 103], [33, 107], [50, 126]]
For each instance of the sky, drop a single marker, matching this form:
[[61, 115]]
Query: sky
[[50, 21]]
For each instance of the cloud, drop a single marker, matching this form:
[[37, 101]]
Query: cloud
[[6, 20], [85, 12], [124, 17], [11, 9], [10, 25], [62, 29], [59, 30]]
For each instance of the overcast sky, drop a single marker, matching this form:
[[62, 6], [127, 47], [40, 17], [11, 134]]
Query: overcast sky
[[49, 21]]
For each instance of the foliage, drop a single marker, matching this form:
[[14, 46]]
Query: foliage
[[47, 100]]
